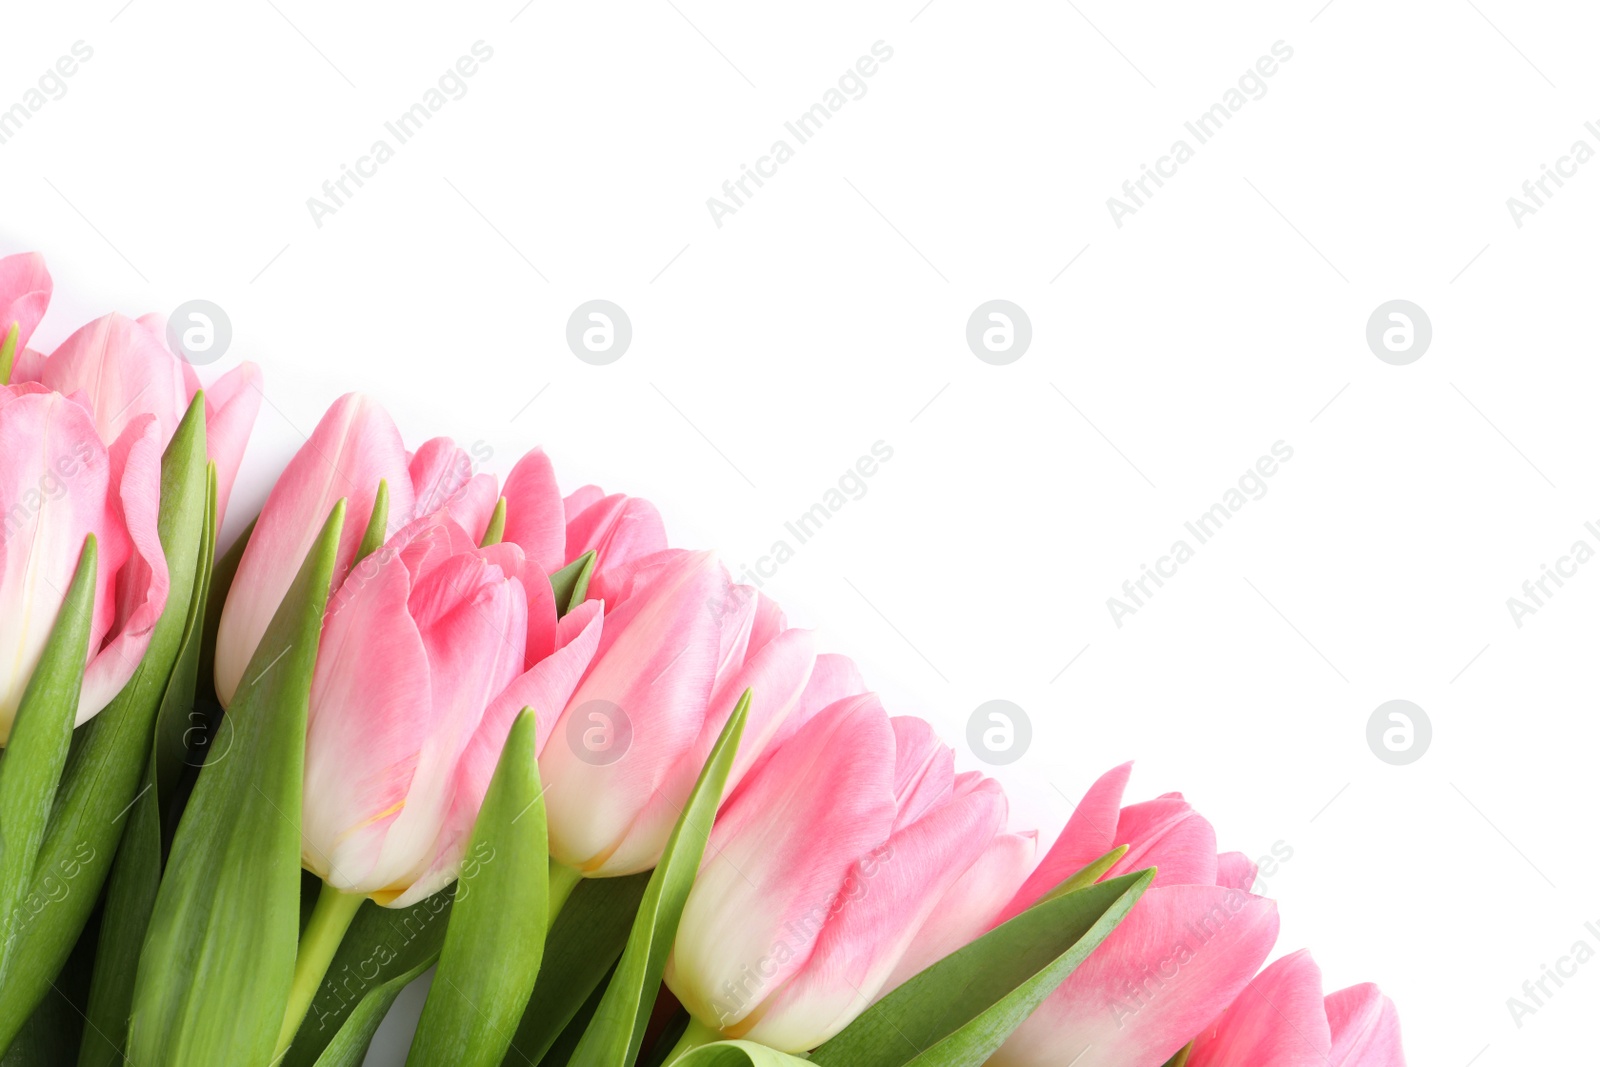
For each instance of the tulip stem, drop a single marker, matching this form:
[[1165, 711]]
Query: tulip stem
[[329, 920], [563, 880], [696, 1035]]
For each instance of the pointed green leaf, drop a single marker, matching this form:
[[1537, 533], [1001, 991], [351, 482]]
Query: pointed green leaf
[[222, 575], [1179, 1058], [1090, 874], [615, 1034], [31, 762], [136, 873], [377, 525], [8, 353], [961, 1009], [223, 929], [585, 941], [349, 1045], [109, 752], [566, 1047], [497, 525], [742, 1054], [495, 940], [571, 583]]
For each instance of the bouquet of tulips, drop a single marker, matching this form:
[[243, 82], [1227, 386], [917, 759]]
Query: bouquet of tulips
[[417, 718]]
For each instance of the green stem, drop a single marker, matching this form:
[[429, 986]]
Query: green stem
[[696, 1035], [329, 920], [563, 880]]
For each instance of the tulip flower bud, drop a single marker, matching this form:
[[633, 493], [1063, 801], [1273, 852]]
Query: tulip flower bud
[[60, 484]]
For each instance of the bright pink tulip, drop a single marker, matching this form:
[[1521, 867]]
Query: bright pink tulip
[[673, 661], [1179, 958], [24, 294], [58, 484], [430, 649], [620, 530], [123, 371], [821, 870], [1283, 1019]]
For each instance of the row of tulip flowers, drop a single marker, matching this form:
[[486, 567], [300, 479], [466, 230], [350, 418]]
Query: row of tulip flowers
[[627, 812]]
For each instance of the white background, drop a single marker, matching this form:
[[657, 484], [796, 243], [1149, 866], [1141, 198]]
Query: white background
[[829, 313]]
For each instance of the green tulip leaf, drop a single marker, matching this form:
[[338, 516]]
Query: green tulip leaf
[[110, 751], [377, 530], [222, 932], [495, 940], [960, 1010], [571, 583], [8, 352], [586, 939], [349, 1046], [31, 762], [497, 525], [617, 1030]]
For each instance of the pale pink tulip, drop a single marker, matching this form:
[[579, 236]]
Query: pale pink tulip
[[429, 650], [821, 870], [620, 530], [1180, 956], [1281, 1018], [121, 370], [25, 288], [673, 661], [60, 483]]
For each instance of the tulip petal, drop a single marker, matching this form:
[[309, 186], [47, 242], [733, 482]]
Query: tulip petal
[[535, 515], [770, 880], [232, 403], [142, 581], [888, 896], [1365, 1028], [1179, 958], [1279, 1019], [924, 769], [353, 448], [25, 288], [1166, 833], [967, 910], [1235, 870], [124, 369], [55, 490], [1090, 833], [618, 529]]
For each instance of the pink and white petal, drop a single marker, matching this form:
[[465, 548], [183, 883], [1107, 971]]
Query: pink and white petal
[[371, 701], [889, 895], [29, 365], [1235, 870], [438, 470], [55, 490], [924, 769], [25, 288], [232, 404], [125, 370], [353, 448], [142, 581], [473, 505], [535, 515], [580, 500], [1278, 1019], [968, 908], [1090, 833], [1177, 960], [647, 690], [1365, 1028], [778, 859], [1166, 833], [548, 685]]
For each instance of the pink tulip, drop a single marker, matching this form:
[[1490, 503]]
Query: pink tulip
[[24, 294], [429, 650], [60, 483], [1283, 1019], [1178, 959], [819, 873], [620, 530], [672, 663], [122, 370]]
